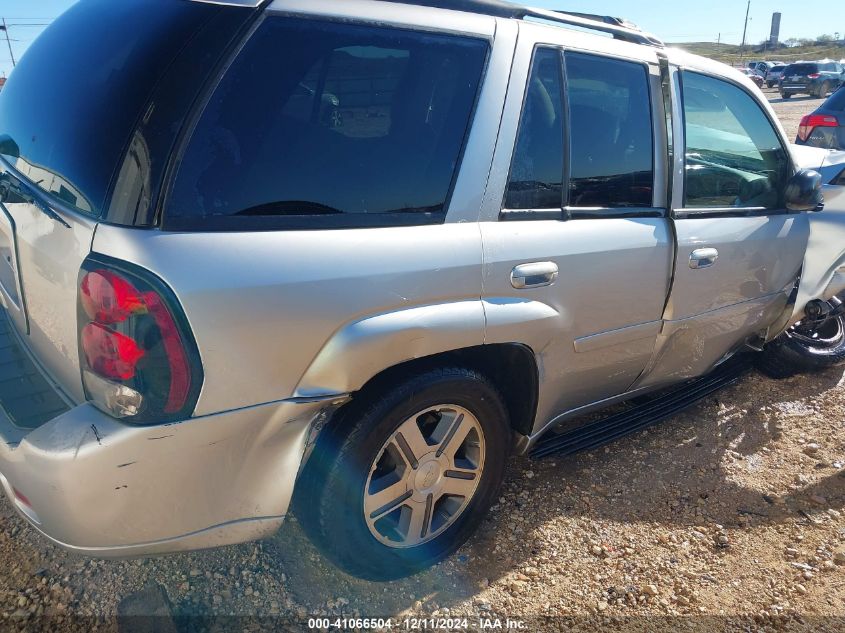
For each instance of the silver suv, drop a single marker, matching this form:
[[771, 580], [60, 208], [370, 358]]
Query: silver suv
[[356, 253]]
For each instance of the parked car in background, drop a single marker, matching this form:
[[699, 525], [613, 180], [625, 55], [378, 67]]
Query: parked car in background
[[774, 75], [825, 126], [760, 68], [763, 68], [816, 79], [221, 301], [753, 76]]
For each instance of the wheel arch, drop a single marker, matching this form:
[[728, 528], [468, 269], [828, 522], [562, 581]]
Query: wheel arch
[[512, 367]]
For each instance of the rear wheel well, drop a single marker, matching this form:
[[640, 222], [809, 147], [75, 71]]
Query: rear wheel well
[[511, 366]]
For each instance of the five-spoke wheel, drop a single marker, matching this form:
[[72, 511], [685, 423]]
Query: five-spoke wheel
[[405, 472], [424, 476]]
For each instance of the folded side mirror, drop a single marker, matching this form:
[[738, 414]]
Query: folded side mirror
[[804, 191]]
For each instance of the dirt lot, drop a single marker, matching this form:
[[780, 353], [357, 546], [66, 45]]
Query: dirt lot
[[731, 512], [791, 110]]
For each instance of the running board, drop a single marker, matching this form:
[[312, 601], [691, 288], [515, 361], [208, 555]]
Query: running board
[[654, 409]]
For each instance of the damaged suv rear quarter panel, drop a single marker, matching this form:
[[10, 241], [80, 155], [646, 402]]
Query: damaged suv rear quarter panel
[[252, 282]]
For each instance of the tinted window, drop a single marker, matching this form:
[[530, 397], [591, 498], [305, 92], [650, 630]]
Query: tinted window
[[329, 119], [537, 170], [801, 69], [611, 132], [734, 158], [836, 101], [68, 110]]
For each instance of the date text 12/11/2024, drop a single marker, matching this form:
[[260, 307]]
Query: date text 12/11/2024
[[416, 624]]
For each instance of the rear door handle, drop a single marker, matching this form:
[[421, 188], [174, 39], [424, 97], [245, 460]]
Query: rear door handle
[[703, 257], [534, 275]]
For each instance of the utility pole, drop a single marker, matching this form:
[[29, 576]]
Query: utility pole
[[744, 31], [8, 41]]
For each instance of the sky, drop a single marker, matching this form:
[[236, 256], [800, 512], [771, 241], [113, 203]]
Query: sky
[[671, 20]]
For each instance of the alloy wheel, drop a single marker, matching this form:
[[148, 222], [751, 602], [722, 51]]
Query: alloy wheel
[[825, 335], [424, 476]]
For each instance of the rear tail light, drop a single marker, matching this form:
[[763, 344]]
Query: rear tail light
[[136, 351], [812, 121], [813, 76]]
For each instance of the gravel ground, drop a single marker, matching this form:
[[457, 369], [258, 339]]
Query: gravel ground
[[791, 110], [731, 512]]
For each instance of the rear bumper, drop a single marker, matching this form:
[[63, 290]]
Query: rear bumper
[[99, 487]]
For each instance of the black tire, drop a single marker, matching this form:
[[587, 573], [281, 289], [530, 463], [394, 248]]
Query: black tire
[[786, 95], [795, 352], [329, 500], [823, 90], [770, 84]]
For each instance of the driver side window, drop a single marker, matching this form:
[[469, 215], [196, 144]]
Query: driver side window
[[734, 158]]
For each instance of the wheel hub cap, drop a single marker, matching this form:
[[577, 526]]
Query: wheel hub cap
[[427, 476], [424, 476]]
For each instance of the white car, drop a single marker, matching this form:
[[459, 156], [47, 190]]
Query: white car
[[823, 275]]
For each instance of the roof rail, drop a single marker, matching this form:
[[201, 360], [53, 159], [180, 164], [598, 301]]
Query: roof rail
[[603, 18], [618, 28]]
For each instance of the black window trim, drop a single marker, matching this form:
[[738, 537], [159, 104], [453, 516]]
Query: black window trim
[[552, 213], [724, 212], [567, 212], [233, 224]]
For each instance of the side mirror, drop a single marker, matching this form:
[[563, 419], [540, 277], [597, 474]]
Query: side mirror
[[804, 191]]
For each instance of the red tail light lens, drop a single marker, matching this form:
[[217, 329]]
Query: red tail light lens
[[137, 354], [110, 354], [812, 121], [108, 298], [814, 76]]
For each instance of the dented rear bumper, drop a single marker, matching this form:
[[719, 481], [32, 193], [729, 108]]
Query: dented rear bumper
[[100, 487]]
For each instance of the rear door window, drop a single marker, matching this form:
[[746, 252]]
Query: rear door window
[[322, 124], [611, 136]]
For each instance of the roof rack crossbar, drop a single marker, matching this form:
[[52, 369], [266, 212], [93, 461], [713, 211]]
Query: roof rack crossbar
[[616, 27]]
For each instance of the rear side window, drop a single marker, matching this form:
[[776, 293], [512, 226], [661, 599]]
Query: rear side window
[[734, 157], [70, 106], [836, 101], [537, 169], [611, 132], [320, 124]]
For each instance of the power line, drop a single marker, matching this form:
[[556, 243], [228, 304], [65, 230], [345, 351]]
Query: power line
[[9, 42]]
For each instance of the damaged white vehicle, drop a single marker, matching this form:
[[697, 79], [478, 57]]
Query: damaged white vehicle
[[816, 336]]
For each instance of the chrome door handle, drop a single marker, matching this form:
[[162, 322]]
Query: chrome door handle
[[534, 275], [703, 257]]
